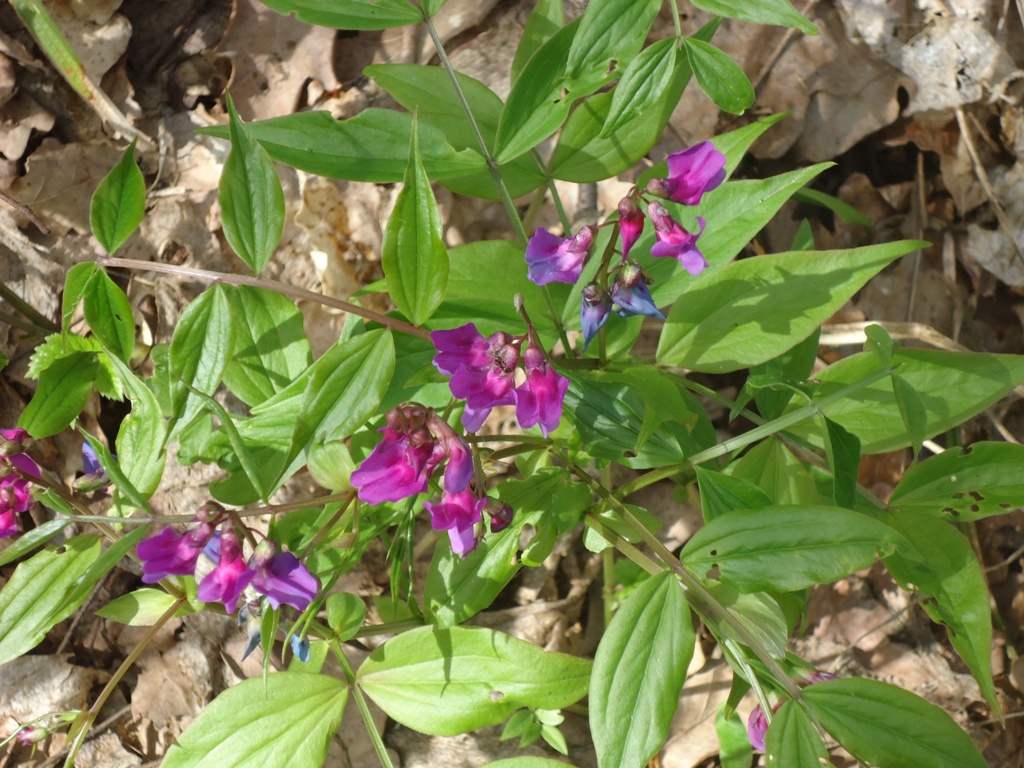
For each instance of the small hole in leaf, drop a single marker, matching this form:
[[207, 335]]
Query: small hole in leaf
[[713, 553], [61, 550], [977, 496], [974, 508], [497, 696], [1004, 505]]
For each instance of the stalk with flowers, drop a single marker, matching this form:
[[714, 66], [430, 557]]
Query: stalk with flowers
[[393, 420]]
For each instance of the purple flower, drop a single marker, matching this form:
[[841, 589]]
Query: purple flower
[[170, 553], [95, 476], [501, 514], [539, 398], [396, 469], [675, 241], [226, 582], [595, 305], [300, 647], [282, 578], [550, 258], [757, 728], [630, 293], [457, 513], [631, 223], [691, 173], [15, 490]]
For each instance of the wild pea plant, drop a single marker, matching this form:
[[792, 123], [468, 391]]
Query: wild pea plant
[[387, 421]]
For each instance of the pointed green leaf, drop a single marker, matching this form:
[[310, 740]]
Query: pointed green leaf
[[413, 255], [787, 548], [119, 203], [61, 394], [251, 198], [547, 17], [721, 78], [109, 315], [889, 727], [75, 282], [345, 614], [202, 344], [793, 740], [610, 34], [450, 681], [643, 82], [724, 493], [912, 411], [843, 453], [639, 670], [780, 12], [140, 439], [287, 718], [753, 310], [141, 608], [773, 468], [351, 14]]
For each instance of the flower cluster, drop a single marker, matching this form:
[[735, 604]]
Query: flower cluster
[[483, 374], [757, 723], [550, 258], [15, 490], [278, 576]]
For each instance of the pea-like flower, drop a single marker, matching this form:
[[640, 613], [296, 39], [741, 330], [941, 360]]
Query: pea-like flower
[[595, 306], [94, 475], [539, 398], [226, 582], [458, 513], [630, 293], [281, 578], [15, 490], [553, 259], [691, 173], [631, 223], [674, 241], [170, 553]]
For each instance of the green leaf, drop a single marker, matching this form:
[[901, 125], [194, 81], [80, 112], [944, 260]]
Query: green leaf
[[29, 540], [750, 311], [123, 486], [889, 727], [609, 415], [779, 12], [733, 739], [75, 282], [61, 395], [413, 255], [964, 483], [350, 14], [793, 740], [343, 391], [449, 681], [372, 146], [880, 342], [345, 614], [251, 198], [793, 365], [98, 569], [546, 18], [721, 78], [639, 670], [953, 387], [787, 548], [57, 346], [843, 453], [140, 439], [37, 585], [643, 81], [527, 762], [912, 411], [844, 211], [271, 350], [724, 493], [773, 468], [758, 613], [287, 718], [202, 344], [119, 203], [940, 564], [610, 34], [141, 608], [109, 315]]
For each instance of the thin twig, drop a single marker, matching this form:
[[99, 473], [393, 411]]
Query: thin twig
[[25, 211]]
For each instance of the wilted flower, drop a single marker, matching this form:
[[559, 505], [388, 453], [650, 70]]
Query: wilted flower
[[539, 398], [691, 173], [170, 553], [281, 578], [15, 490], [631, 223], [458, 512], [630, 293], [500, 513], [595, 305], [226, 582], [551, 259], [675, 241]]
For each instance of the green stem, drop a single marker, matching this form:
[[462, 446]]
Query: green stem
[[80, 728], [492, 164], [27, 309], [271, 285], [675, 18], [364, 710], [555, 197]]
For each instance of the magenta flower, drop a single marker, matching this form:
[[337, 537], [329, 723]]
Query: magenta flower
[[539, 398], [170, 553], [630, 293], [501, 514], [757, 728], [458, 512], [631, 223], [226, 582], [691, 173], [595, 306], [15, 490], [281, 578], [675, 241], [397, 468], [551, 259]]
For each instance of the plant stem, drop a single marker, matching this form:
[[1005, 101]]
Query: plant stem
[[271, 285], [27, 309], [80, 728], [364, 710]]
